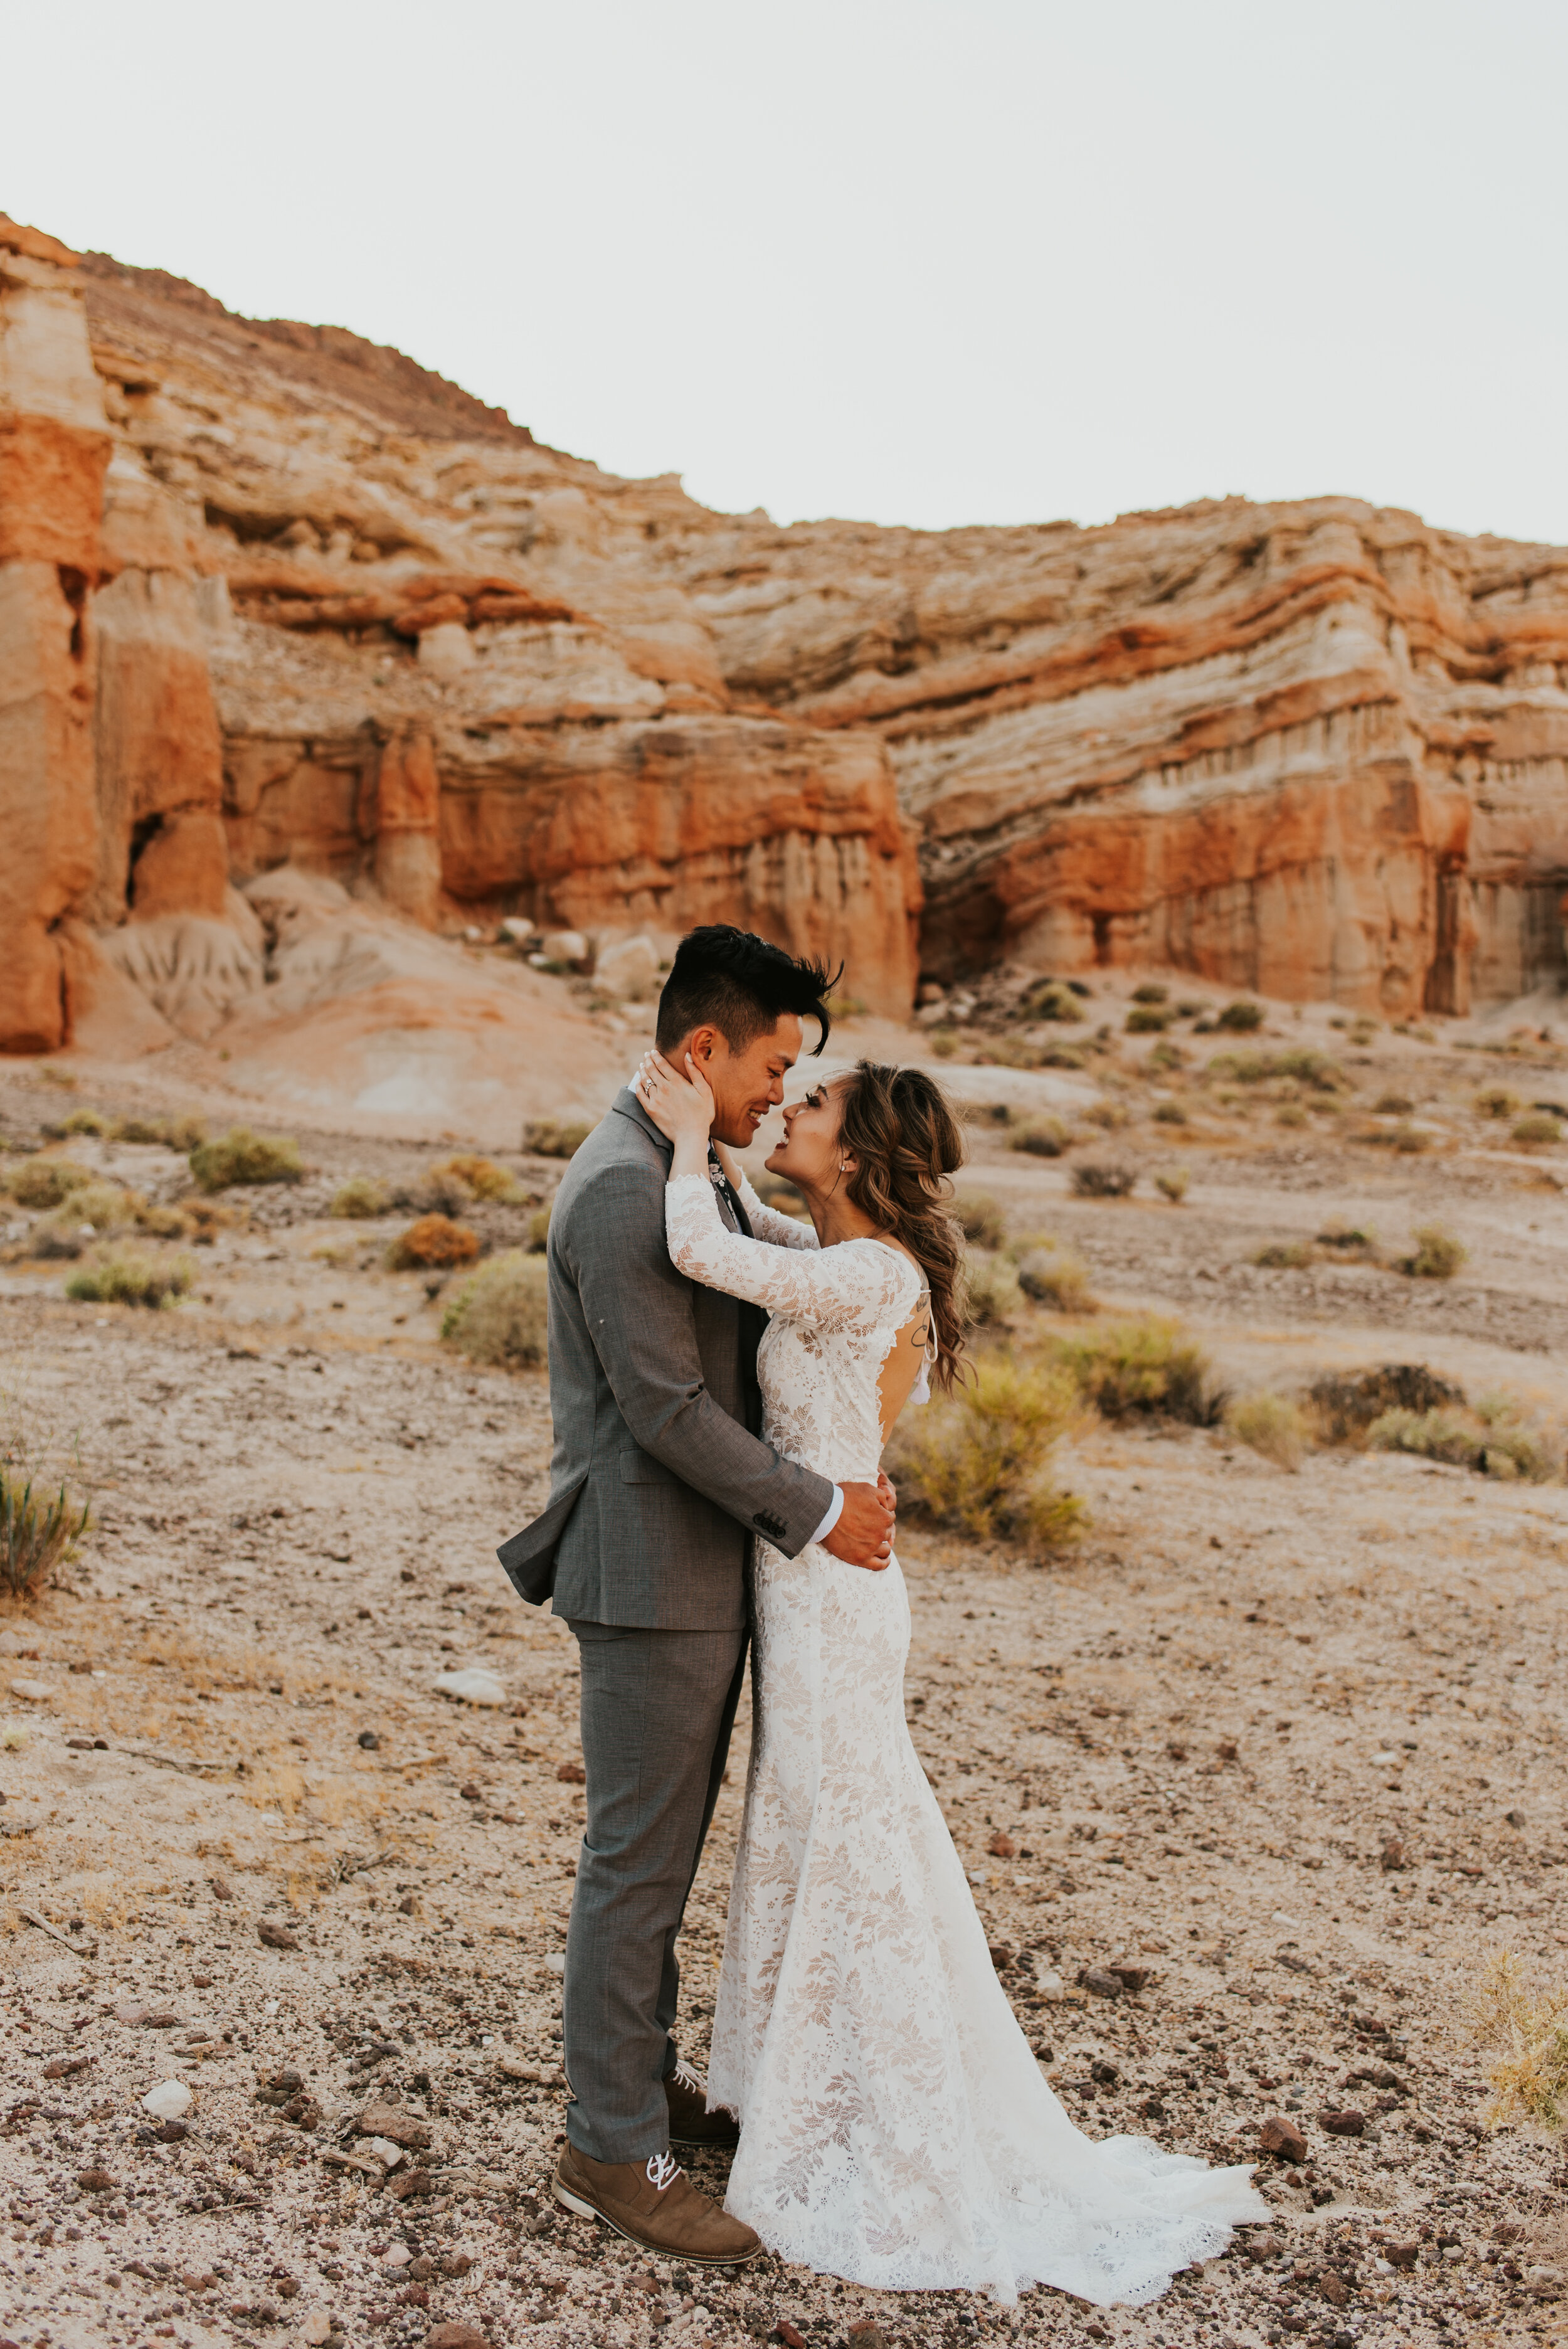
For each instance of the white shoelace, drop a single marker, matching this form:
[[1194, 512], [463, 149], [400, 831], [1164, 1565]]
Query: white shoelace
[[685, 2077], [662, 2171]]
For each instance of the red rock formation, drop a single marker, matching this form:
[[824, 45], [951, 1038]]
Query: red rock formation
[[1318, 749]]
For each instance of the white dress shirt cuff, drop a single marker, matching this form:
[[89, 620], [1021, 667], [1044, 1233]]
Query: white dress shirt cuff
[[835, 1510]]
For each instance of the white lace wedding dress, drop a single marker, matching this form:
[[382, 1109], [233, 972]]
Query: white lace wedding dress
[[896, 2127]]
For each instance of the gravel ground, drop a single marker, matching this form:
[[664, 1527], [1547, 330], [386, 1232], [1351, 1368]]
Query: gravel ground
[[1287, 1750]]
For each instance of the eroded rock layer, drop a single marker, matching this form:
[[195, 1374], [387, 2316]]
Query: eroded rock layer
[[271, 596], [1317, 749]]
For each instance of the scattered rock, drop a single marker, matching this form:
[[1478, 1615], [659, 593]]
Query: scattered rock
[[410, 2184], [389, 2121], [572, 1774], [1132, 1979], [1101, 1980], [170, 2101], [280, 2087], [1228, 1750], [221, 1888], [784, 2331], [369, 1740], [95, 2181], [276, 1937], [868, 2335], [1282, 2138], [1394, 1855], [1348, 2122], [1002, 1846], [471, 1687], [471, 1794], [32, 1692], [452, 2335], [1545, 2282], [171, 2132], [456, 2263], [64, 2066]]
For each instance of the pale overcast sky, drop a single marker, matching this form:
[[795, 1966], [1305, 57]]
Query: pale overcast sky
[[1003, 260]]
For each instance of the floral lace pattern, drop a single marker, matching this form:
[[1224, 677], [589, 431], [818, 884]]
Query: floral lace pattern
[[896, 2129]]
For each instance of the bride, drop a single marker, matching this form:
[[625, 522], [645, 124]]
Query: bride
[[895, 2128]]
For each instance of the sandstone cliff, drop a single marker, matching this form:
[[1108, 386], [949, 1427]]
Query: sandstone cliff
[[271, 596], [1317, 748]]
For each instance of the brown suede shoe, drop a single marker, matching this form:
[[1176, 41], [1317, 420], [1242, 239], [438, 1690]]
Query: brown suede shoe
[[691, 2123], [654, 2203]]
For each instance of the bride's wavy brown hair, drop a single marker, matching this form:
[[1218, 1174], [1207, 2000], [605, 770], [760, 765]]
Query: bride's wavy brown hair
[[906, 1142]]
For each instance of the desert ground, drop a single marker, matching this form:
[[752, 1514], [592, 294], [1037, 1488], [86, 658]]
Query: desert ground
[[1284, 1746]]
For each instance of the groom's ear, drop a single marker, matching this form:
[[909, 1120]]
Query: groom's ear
[[704, 1045]]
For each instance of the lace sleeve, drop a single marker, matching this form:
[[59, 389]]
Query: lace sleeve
[[767, 1224], [858, 1285]]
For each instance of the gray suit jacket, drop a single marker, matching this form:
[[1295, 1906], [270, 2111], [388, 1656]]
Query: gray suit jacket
[[659, 1476]]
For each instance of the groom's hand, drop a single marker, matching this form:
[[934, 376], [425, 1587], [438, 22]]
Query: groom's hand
[[863, 1535]]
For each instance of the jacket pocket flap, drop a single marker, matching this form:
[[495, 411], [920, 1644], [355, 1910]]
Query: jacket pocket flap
[[641, 1468]]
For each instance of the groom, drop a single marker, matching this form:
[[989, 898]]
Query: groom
[[659, 1482]]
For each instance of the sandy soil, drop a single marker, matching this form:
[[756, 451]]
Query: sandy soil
[[1183, 1749]]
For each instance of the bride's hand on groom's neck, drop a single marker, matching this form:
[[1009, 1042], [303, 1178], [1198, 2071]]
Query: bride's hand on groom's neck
[[680, 1104]]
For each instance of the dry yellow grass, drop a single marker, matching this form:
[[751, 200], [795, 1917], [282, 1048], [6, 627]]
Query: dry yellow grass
[[1523, 2022]]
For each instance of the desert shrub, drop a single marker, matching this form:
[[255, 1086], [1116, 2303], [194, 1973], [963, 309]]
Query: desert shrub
[[94, 1208], [1438, 1256], [360, 1198], [484, 1178], [242, 1156], [1150, 991], [37, 1533], [1049, 999], [980, 1220], [1514, 1447], [1495, 1100], [1282, 1256], [435, 1241], [85, 1121], [1166, 1055], [437, 1192], [1409, 1140], [1110, 1116], [1348, 1239], [992, 1285], [165, 1223], [1538, 1126], [1346, 1406], [45, 1181], [1191, 1010], [1441, 1434], [126, 1277], [1057, 1276], [1042, 1137], [1149, 1364], [1392, 1105], [1290, 1113], [1094, 1180], [973, 1112], [1149, 1019], [539, 1230], [1525, 2026], [1061, 1056], [500, 1313], [1300, 1065], [181, 1134], [556, 1137], [944, 1042], [1243, 1018], [980, 1462], [1271, 1424], [1173, 1183], [1170, 1112]]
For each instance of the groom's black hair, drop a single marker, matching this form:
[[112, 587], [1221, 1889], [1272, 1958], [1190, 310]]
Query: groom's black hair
[[740, 985]]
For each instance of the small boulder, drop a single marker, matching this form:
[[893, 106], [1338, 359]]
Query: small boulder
[[276, 1937], [1348, 2122], [572, 1774], [1002, 1846], [170, 2101], [474, 1686], [452, 2335], [1283, 2138], [629, 970], [387, 2120], [1101, 1980]]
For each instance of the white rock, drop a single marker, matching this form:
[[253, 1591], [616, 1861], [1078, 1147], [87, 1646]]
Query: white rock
[[387, 2154], [318, 2326], [170, 2101], [564, 946], [447, 651], [400, 2255], [629, 970], [1049, 1983], [474, 1686], [33, 1691], [518, 929]]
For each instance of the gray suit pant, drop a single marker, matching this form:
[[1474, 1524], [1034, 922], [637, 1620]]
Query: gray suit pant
[[657, 1712]]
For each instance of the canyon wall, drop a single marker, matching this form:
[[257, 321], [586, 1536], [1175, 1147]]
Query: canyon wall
[[1317, 749], [271, 596]]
